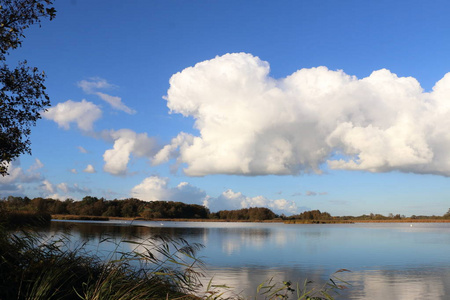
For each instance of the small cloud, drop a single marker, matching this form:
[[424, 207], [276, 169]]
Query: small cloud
[[48, 186], [82, 150], [83, 113], [78, 189], [63, 187], [312, 193], [36, 166], [296, 194], [89, 169], [74, 171], [116, 103], [93, 86], [75, 188]]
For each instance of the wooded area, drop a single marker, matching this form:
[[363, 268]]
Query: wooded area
[[135, 208], [130, 208]]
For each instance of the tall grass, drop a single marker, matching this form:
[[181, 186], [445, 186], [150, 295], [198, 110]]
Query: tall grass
[[35, 268]]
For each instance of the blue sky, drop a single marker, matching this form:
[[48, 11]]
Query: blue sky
[[333, 105]]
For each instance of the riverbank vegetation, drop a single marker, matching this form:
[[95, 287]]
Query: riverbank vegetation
[[16, 219], [34, 267], [93, 208]]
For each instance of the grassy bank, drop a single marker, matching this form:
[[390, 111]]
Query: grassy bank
[[83, 218]]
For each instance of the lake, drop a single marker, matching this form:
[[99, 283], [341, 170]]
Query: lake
[[386, 260]]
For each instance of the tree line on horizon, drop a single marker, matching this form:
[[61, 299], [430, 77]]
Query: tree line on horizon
[[130, 208], [135, 208]]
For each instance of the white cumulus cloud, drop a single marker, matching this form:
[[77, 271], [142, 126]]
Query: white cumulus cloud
[[63, 190], [126, 142], [83, 113], [156, 188], [230, 200], [18, 175], [48, 186], [13, 184], [253, 124], [89, 169]]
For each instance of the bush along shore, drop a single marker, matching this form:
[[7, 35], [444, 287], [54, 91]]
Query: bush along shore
[[17, 219]]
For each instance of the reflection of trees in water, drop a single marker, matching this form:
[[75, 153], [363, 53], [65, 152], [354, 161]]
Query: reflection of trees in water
[[98, 231], [90, 231], [244, 232], [232, 239]]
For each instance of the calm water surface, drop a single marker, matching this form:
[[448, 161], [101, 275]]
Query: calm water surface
[[387, 260]]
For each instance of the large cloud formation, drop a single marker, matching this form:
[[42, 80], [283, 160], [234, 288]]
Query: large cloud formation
[[252, 124]]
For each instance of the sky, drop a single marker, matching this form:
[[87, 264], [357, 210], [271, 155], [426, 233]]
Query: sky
[[341, 106]]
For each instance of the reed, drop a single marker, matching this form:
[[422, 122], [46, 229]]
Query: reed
[[32, 267]]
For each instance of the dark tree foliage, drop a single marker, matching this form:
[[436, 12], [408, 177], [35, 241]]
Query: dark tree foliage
[[447, 214], [312, 215], [174, 210], [93, 206], [22, 90], [245, 214]]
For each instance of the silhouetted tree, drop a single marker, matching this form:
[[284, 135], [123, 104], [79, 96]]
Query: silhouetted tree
[[22, 90]]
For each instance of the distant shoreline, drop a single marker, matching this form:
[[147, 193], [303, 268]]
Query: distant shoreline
[[405, 221], [347, 221]]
